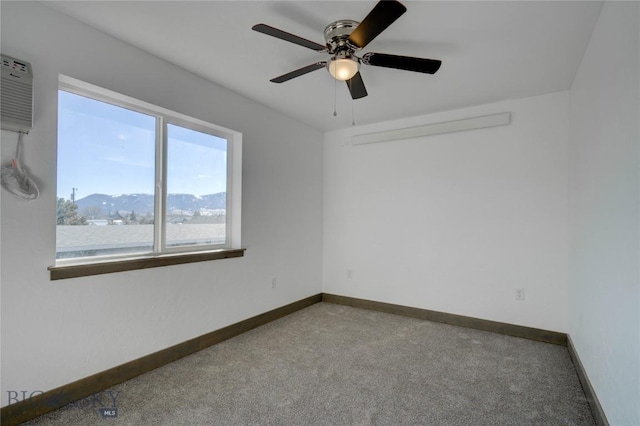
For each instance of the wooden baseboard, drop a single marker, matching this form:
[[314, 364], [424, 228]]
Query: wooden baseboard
[[453, 319], [596, 409], [38, 405], [22, 411]]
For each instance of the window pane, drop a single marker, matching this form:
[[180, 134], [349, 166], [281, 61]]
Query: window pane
[[196, 203], [106, 175]]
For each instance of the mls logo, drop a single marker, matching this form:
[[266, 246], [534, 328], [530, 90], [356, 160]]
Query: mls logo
[[108, 413]]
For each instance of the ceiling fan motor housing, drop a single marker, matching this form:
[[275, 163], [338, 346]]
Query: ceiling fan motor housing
[[337, 33]]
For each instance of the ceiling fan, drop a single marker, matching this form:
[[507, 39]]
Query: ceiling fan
[[346, 37]]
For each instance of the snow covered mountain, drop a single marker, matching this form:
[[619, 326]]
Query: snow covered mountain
[[102, 205]]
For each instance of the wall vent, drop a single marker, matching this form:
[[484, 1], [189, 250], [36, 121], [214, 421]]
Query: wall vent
[[472, 123], [16, 99]]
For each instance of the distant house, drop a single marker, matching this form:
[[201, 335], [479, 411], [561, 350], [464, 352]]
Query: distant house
[[98, 222]]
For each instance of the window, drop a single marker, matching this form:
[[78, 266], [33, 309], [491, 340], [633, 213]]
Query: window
[[137, 180]]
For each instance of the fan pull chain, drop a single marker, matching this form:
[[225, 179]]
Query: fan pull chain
[[335, 95]]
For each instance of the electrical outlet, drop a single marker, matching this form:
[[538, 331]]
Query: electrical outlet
[[274, 282], [349, 273], [519, 293]]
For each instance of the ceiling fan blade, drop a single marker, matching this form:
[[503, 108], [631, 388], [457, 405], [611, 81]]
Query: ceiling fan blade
[[283, 35], [381, 16], [356, 87], [408, 63], [297, 73]]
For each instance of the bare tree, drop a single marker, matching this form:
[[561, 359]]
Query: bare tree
[[92, 212]]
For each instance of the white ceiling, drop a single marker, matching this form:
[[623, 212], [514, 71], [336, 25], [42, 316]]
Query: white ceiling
[[490, 51]]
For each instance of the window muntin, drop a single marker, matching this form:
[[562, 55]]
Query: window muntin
[[142, 158]]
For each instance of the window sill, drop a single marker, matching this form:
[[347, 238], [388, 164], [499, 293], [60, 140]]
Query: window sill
[[108, 267]]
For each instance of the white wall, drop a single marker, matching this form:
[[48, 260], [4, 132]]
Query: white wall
[[456, 222], [604, 212], [57, 332]]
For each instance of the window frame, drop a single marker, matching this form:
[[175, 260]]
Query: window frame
[[181, 254]]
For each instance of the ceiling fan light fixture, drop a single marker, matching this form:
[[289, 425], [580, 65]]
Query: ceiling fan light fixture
[[343, 68]]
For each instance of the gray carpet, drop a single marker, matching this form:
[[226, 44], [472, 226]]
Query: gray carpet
[[336, 365]]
